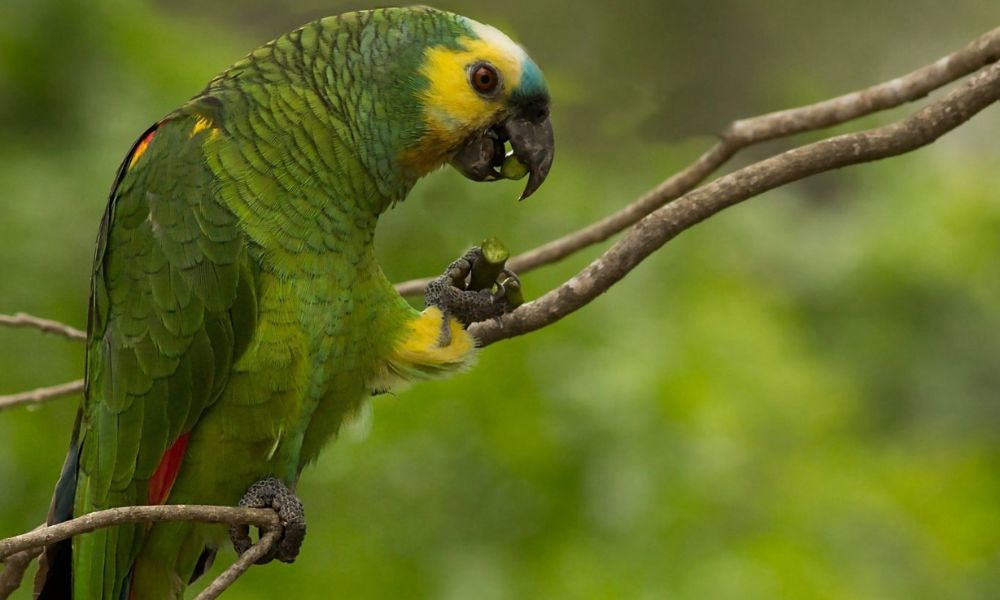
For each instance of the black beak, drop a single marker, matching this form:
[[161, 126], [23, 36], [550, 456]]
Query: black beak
[[532, 142]]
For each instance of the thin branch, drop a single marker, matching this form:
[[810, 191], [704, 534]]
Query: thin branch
[[747, 132], [14, 567], [244, 562], [265, 519], [44, 325], [41, 394], [19, 320], [922, 128]]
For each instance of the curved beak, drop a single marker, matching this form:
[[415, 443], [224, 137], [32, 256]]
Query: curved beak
[[532, 143]]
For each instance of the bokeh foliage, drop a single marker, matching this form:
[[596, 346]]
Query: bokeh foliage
[[797, 399]]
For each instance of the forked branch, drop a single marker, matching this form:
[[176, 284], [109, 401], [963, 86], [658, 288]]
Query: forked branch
[[21, 547], [920, 129], [748, 132]]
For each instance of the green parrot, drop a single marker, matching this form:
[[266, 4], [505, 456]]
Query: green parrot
[[238, 315]]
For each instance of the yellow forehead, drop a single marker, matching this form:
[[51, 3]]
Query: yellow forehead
[[449, 100]]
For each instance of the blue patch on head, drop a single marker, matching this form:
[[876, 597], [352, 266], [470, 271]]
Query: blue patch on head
[[532, 81]]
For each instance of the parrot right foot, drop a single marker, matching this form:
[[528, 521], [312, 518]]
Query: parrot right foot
[[451, 293], [271, 492]]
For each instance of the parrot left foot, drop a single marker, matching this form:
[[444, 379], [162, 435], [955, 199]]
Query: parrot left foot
[[452, 293], [271, 492]]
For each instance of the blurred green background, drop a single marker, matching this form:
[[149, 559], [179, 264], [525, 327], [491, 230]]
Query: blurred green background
[[799, 398]]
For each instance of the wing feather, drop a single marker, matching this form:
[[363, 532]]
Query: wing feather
[[170, 282]]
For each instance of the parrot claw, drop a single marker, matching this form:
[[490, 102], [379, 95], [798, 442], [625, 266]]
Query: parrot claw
[[510, 278], [501, 293], [451, 293], [271, 492], [503, 289]]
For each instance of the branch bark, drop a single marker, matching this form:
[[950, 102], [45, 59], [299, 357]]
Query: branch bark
[[21, 319], [24, 320], [922, 128], [14, 567], [264, 518], [244, 562], [41, 394]]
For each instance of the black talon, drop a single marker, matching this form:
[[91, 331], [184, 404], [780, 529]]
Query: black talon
[[271, 492], [501, 293], [511, 276]]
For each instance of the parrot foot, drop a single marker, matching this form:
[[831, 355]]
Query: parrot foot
[[451, 292], [271, 492]]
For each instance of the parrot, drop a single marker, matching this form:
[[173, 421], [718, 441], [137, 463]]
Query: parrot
[[237, 314]]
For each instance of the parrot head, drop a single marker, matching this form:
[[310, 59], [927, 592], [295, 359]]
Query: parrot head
[[479, 91]]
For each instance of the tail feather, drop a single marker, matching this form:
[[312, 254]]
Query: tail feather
[[54, 580]]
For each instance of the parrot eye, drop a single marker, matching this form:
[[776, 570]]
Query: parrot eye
[[484, 78]]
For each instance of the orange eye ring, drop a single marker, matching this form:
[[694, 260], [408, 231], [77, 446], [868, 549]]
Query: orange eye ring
[[484, 78]]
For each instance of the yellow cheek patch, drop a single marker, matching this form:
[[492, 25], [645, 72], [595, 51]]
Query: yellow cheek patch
[[451, 105], [452, 109], [449, 99]]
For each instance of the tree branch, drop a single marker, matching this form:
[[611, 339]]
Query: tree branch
[[248, 559], [13, 571], [264, 518], [17, 552], [664, 224], [24, 320], [41, 394], [44, 325], [748, 132], [14, 567]]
